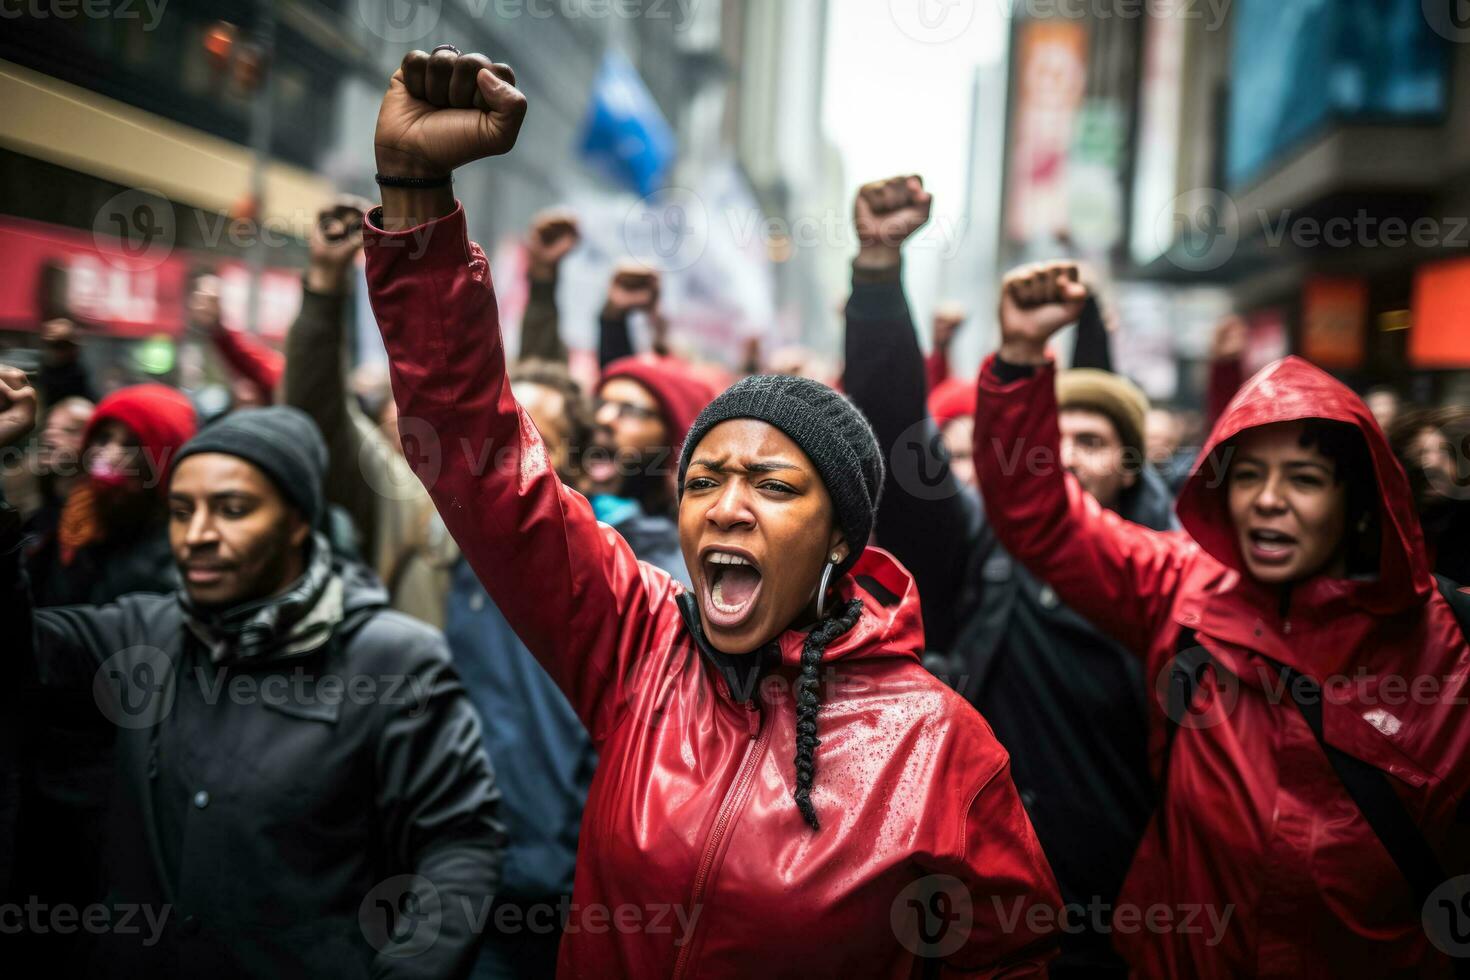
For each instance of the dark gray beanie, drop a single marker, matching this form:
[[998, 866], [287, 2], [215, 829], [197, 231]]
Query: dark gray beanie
[[829, 429], [283, 442]]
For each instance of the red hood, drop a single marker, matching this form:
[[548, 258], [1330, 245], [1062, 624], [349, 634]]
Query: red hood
[[890, 624], [1286, 391]]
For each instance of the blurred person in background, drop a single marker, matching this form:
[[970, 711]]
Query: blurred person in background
[[108, 538], [402, 538], [1433, 446], [695, 801], [1062, 697], [1319, 827], [644, 403], [1385, 404], [541, 752], [255, 367], [257, 829], [948, 319]]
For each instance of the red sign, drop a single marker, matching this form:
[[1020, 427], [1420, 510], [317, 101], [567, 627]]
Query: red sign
[[129, 297], [1440, 335], [125, 296], [1335, 322]]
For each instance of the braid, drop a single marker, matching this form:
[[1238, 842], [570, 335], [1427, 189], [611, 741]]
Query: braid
[[806, 702]]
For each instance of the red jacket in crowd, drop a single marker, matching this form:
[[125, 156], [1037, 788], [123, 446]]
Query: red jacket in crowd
[[694, 859], [1257, 823]]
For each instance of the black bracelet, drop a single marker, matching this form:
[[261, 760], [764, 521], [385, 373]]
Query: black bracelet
[[387, 180]]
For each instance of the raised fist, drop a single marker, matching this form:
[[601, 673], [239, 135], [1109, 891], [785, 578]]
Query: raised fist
[[633, 287], [887, 212], [334, 242], [947, 322], [1037, 301], [1229, 340], [552, 236], [17, 405], [444, 110], [204, 310]]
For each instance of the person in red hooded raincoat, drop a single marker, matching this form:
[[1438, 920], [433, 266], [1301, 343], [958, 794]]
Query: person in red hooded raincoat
[[782, 790], [1300, 558]]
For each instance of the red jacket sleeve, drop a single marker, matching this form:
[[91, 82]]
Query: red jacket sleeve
[[1120, 576], [936, 367], [1014, 908], [250, 358], [571, 588]]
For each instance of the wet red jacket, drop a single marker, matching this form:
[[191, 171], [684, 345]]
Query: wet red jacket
[[1259, 826], [694, 860]]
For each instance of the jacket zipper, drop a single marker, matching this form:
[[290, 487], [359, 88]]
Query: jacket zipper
[[753, 749]]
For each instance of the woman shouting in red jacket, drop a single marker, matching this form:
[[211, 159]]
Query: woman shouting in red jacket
[[782, 790], [1310, 729]]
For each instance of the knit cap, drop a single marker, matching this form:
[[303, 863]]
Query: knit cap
[[283, 442]]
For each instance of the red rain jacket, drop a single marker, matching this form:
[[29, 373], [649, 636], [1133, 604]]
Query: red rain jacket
[[1257, 822], [694, 860]]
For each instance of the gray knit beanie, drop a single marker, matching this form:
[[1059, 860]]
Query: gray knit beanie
[[829, 429], [283, 442]]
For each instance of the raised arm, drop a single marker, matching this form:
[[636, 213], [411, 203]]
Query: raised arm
[[572, 590], [62, 374], [925, 517], [633, 287], [552, 236], [947, 322], [1118, 575], [1227, 367]]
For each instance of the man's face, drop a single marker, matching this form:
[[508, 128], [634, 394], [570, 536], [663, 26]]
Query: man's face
[[630, 433], [1384, 405], [61, 438], [959, 440], [1161, 435], [1287, 505], [1092, 451], [234, 538], [548, 410]]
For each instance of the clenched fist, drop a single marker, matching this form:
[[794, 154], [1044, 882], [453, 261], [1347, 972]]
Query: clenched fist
[[444, 110], [17, 405], [552, 237], [633, 287], [1035, 302], [886, 214]]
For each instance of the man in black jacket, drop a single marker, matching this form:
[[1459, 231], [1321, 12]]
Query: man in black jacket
[[301, 788], [1062, 697]]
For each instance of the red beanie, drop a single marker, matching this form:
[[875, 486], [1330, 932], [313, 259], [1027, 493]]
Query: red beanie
[[953, 398], [162, 417], [681, 396]]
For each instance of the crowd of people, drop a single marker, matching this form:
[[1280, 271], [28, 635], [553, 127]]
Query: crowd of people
[[479, 671]]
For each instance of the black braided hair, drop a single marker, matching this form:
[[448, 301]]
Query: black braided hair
[[806, 702]]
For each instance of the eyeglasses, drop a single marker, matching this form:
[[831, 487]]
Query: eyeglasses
[[626, 410]]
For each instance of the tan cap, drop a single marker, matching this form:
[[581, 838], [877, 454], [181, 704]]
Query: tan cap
[[1114, 395]]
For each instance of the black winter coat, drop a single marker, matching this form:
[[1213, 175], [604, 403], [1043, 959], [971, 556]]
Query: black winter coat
[[1063, 698], [330, 814]]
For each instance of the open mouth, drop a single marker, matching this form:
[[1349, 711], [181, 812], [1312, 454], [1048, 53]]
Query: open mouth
[[732, 584], [1271, 546]]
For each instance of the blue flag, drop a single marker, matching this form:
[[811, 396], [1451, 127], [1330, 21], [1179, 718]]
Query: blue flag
[[625, 135]]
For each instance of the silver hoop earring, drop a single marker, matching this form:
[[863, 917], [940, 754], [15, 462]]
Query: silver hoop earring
[[827, 571]]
